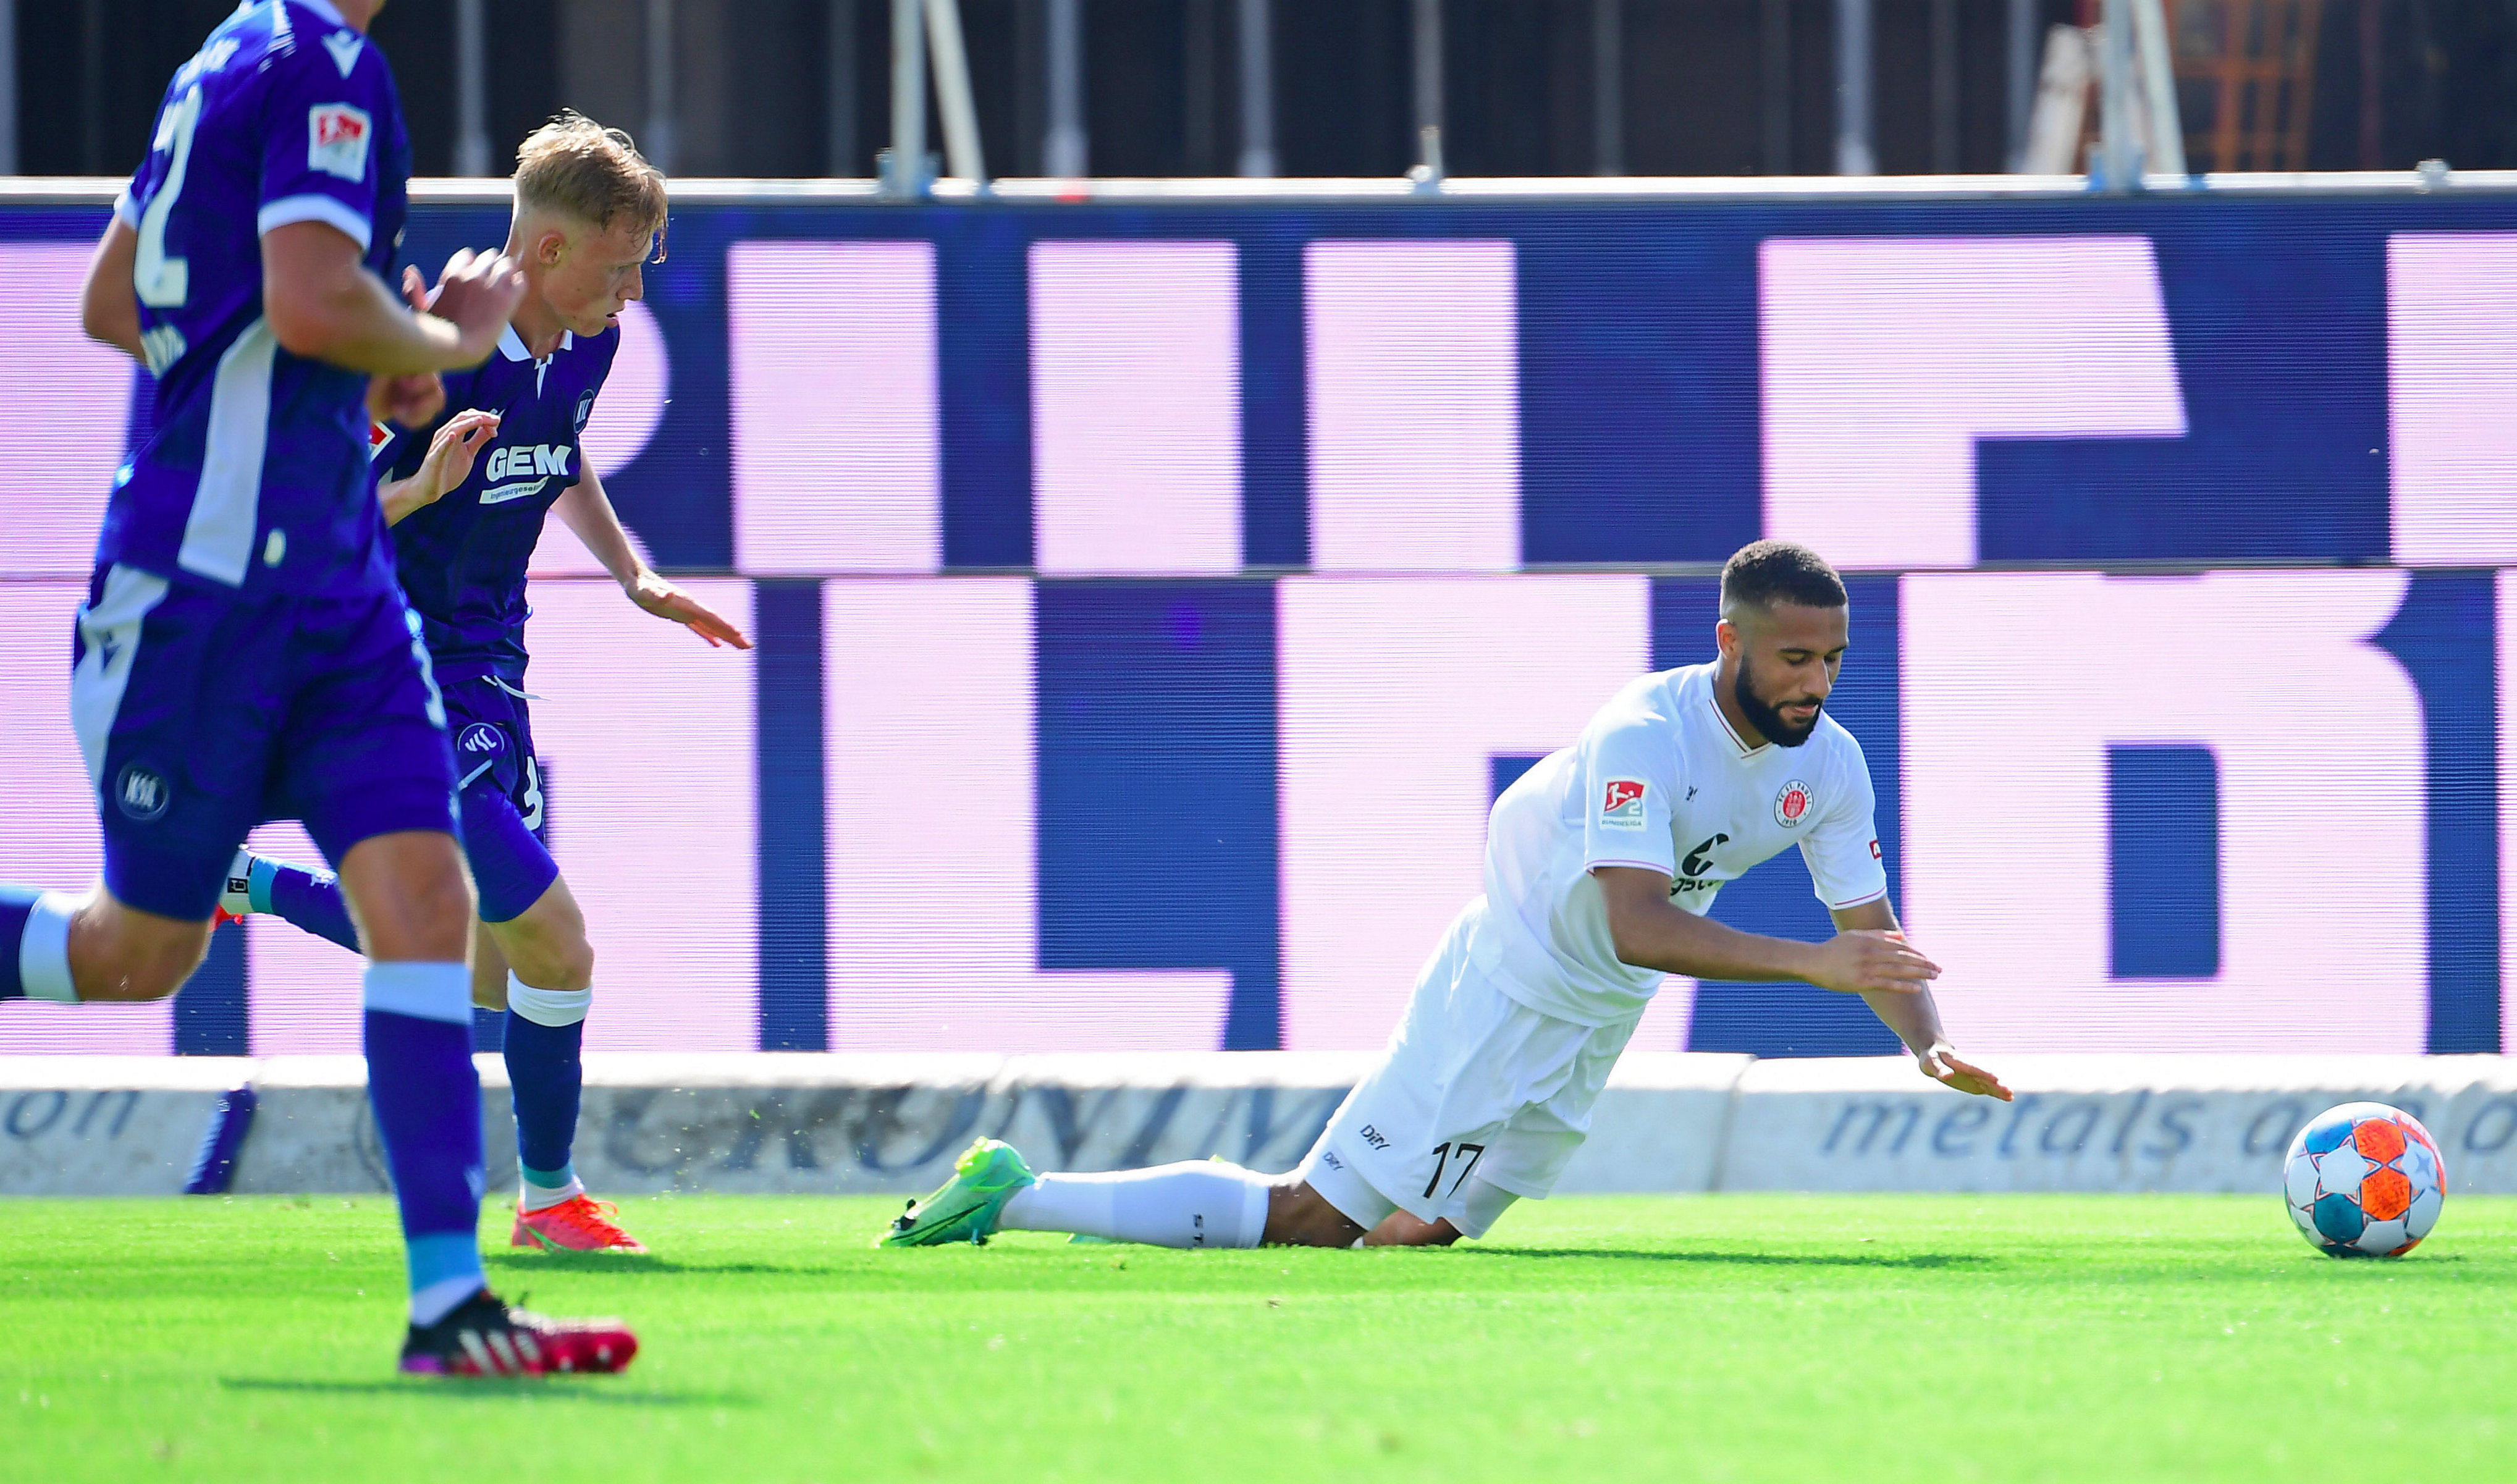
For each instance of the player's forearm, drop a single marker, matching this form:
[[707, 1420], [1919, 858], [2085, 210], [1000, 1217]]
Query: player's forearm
[[353, 322], [108, 307], [321, 303], [400, 497], [1659, 936], [587, 511], [1913, 1017]]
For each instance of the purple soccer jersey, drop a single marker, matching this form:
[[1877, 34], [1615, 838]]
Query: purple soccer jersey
[[462, 559], [256, 476]]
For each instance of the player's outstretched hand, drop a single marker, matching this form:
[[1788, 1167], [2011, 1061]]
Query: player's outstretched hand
[[451, 453], [476, 294], [1942, 1065], [1867, 960], [666, 601]]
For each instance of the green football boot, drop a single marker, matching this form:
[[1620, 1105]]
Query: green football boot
[[984, 1179]]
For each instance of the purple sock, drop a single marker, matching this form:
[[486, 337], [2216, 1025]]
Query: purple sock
[[309, 899], [548, 1075], [35, 944], [427, 1099], [17, 905]]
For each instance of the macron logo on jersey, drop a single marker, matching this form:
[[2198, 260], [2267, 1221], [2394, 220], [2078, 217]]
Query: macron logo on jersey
[[1622, 808], [344, 47], [336, 140]]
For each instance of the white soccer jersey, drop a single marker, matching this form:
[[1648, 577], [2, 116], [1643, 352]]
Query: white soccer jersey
[[1659, 780]]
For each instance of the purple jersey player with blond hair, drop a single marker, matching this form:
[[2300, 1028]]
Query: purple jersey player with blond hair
[[466, 497], [244, 653]]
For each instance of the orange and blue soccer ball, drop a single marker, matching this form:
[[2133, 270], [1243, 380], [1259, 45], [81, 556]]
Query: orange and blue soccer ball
[[2364, 1180]]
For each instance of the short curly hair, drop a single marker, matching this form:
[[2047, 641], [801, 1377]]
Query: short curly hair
[[1764, 573], [596, 175]]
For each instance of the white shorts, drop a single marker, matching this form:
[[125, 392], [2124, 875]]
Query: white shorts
[[1479, 1099]]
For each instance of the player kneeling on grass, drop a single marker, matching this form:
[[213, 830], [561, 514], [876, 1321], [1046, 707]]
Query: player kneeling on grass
[[466, 498], [1601, 864]]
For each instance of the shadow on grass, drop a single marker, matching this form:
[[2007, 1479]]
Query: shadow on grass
[[526, 1263], [1974, 1260], [583, 1388]]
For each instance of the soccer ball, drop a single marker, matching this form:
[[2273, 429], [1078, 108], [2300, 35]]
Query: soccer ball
[[2364, 1180]]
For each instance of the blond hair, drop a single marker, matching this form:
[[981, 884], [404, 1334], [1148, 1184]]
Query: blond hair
[[579, 168]]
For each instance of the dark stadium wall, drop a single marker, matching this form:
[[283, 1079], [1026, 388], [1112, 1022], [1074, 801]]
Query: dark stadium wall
[[754, 85]]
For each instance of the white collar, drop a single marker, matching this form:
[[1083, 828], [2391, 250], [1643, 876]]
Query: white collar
[[1732, 732], [512, 345], [322, 8]]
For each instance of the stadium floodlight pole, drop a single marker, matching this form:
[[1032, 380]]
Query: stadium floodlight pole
[[471, 89], [953, 90], [1854, 152], [840, 84], [1944, 86], [904, 164], [1065, 151], [2159, 88], [1257, 92], [1428, 89], [2118, 153], [2021, 57], [659, 140], [1607, 87], [1775, 85], [7, 87]]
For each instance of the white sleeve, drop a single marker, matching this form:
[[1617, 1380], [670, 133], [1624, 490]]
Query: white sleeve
[[1627, 773], [1842, 849]]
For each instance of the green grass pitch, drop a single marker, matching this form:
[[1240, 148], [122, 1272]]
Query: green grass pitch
[[1873, 1338]]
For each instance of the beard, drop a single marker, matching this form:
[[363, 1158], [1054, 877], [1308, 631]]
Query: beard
[[1769, 720]]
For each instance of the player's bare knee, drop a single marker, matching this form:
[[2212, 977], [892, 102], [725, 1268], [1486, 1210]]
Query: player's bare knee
[[551, 960], [1401, 1229], [411, 896], [576, 965], [1300, 1216]]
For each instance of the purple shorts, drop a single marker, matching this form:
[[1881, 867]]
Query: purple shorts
[[501, 796], [202, 716]]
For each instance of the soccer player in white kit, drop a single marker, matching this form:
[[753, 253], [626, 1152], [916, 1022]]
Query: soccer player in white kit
[[1601, 864]]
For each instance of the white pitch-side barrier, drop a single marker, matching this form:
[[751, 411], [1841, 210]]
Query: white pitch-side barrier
[[867, 1124]]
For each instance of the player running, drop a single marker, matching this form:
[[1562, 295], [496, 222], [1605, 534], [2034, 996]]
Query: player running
[[467, 500], [244, 654], [1601, 864]]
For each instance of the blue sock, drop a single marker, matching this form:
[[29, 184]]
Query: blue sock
[[546, 1031], [427, 1099], [307, 898], [35, 944]]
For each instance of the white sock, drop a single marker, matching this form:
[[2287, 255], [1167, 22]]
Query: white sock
[[440, 1299], [542, 1197], [44, 949], [1196, 1202], [548, 1007]]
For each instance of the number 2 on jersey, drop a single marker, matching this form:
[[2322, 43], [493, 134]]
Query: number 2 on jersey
[[161, 281]]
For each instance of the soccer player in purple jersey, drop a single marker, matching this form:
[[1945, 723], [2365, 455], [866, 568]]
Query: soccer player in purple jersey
[[466, 498], [244, 653]]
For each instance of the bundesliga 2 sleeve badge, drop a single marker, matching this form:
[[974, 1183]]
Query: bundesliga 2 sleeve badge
[[1622, 806]]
